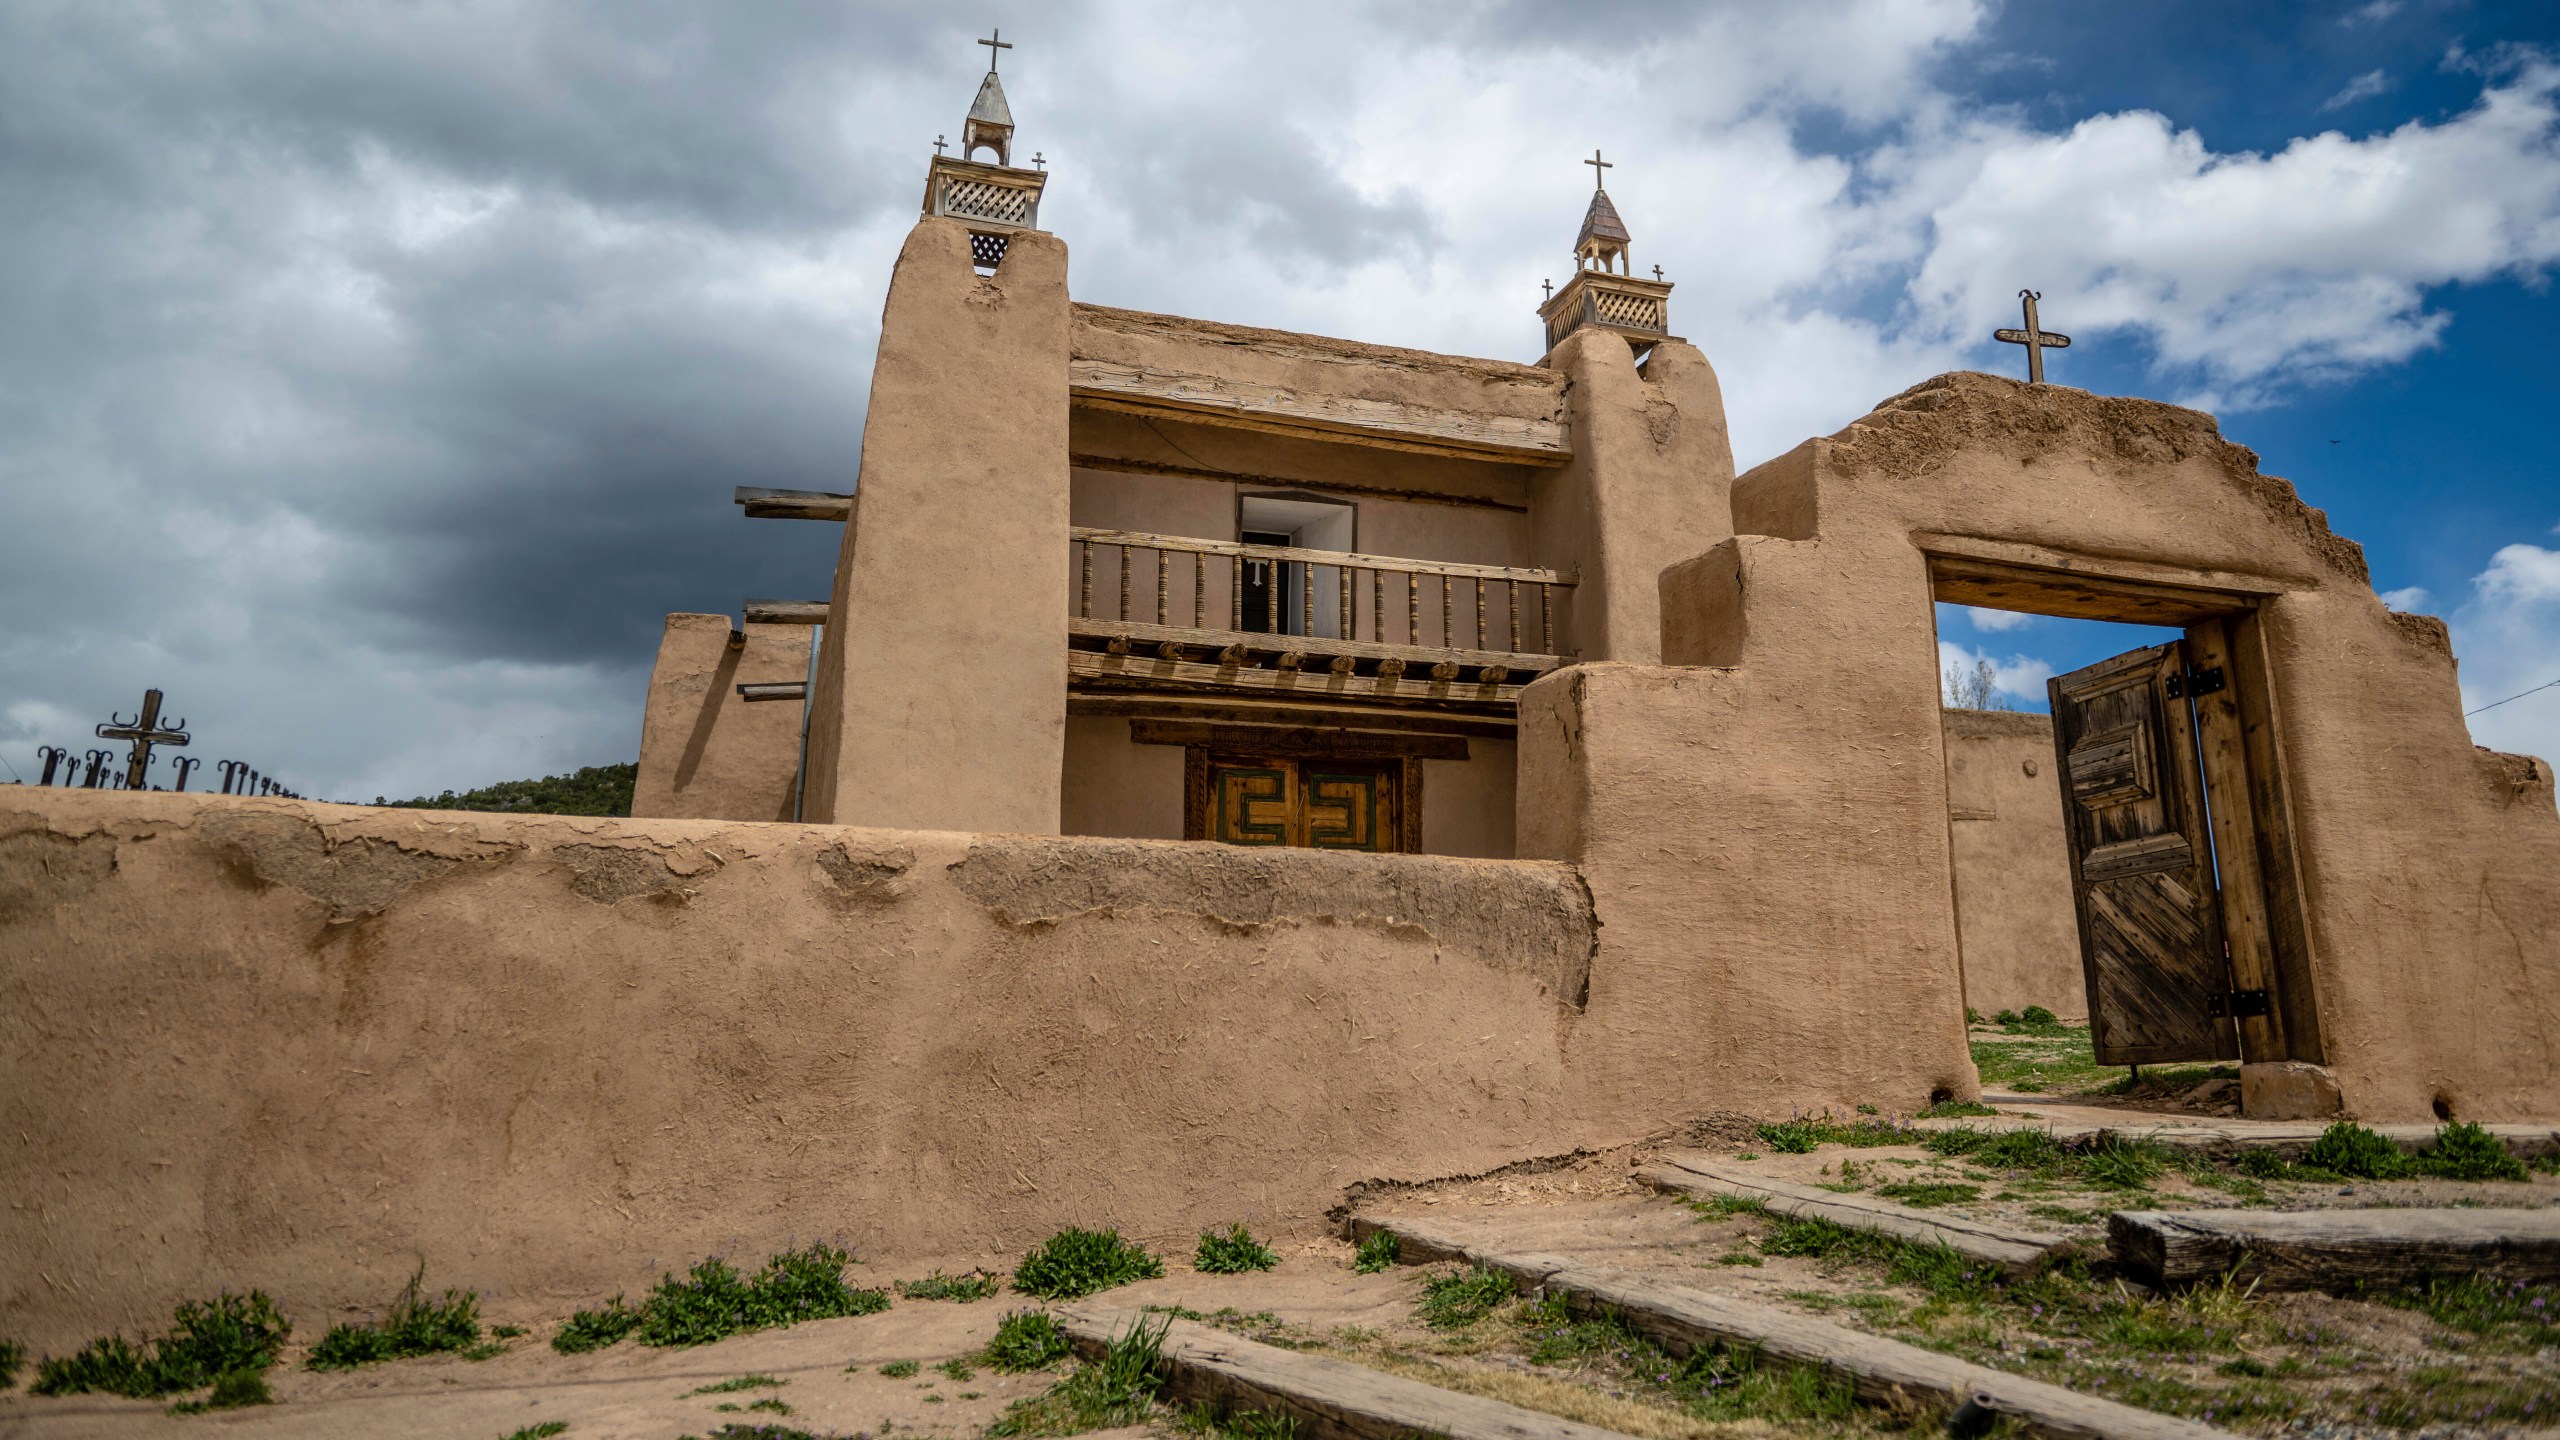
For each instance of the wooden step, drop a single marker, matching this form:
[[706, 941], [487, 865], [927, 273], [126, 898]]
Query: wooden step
[[1330, 1399], [1883, 1372], [2325, 1249], [2014, 1250]]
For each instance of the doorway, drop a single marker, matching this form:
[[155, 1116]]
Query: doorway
[[1277, 598], [2166, 780]]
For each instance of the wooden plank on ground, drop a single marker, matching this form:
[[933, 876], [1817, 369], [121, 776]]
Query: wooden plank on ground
[[1329, 1398], [2013, 1250], [2324, 1249], [1884, 1372]]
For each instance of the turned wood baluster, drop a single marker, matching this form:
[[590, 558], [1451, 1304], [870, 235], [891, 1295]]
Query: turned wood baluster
[[1235, 591], [1307, 601], [1124, 582], [1199, 590], [1448, 635], [1378, 606], [1479, 612], [1343, 624], [1084, 595], [1412, 608], [1271, 598], [1512, 607], [1546, 622], [1163, 564]]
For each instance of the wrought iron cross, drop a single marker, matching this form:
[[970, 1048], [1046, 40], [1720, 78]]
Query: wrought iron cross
[[938, 143], [1657, 274], [995, 42], [144, 731], [1598, 180], [1549, 286], [1040, 160], [2036, 340]]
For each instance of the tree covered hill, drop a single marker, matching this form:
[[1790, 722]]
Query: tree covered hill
[[595, 790]]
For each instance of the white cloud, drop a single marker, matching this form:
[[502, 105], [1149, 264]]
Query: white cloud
[[2407, 598], [2372, 13], [2507, 633], [1996, 621], [2363, 87]]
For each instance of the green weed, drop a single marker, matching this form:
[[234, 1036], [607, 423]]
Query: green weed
[[2350, 1151], [957, 1369], [232, 1390], [1927, 1196], [414, 1326], [974, 1285], [595, 1329], [12, 1356], [1710, 1384], [1941, 1271], [1453, 1302], [207, 1340], [1119, 1389], [2513, 1312], [2465, 1151], [1376, 1253], [1075, 1263], [1718, 1207], [2032, 1152], [1226, 1423], [1800, 1135], [2123, 1164], [1956, 1110], [714, 1301], [732, 1386], [542, 1431], [735, 1430], [1232, 1253], [1025, 1340], [900, 1369]]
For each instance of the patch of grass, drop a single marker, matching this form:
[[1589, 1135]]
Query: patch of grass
[[415, 1325], [1233, 1253], [1739, 1257], [1713, 1384], [12, 1356], [1956, 1110], [1024, 1340], [714, 1301], [207, 1341], [2352, 1152], [596, 1329], [1227, 1423], [900, 1369], [1929, 1196], [768, 1431], [1377, 1253], [1937, 1269], [2465, 1151], [974, 1285], [957, 1369], [732, 1386], [1120, 1389], [1802, 1134], [1455, 1301], [2121, 1164], [2033, 1152], [2512, 1312], [1075, 1263], [769, 1405], [541, 1431], [232, 1390]]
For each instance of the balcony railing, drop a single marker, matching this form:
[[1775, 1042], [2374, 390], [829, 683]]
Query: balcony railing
[[1281, 609]]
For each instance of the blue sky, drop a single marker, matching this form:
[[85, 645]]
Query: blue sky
[[376, 374]]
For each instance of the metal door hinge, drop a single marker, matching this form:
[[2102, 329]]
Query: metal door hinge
[[2195, 682], [2242, 1004]]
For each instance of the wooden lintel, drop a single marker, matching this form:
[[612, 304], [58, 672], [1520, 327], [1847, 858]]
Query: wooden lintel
[[1258, 710], [775, 690], [1093, 668], [785, 612], [1297, 739], [2013, 575], [1251, 405], [762, 504]]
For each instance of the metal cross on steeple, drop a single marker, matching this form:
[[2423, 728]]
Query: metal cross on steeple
[[938, 143], [1598, 180], [995, 42], [144, 731], [1657, 272], [2037, 341], [1549, 286]]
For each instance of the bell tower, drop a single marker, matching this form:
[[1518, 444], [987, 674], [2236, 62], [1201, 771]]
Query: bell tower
[[1603, 292], [994, 201]]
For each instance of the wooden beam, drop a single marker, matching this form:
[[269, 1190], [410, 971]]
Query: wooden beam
[[775, 690], [1251, 643], [1245, 710], [2013, 1250], [1329, 1399], [1276, 409], [1092, 669], [2223, 749], [763, 504], [1883, 1372], [786, 612], [1297, 740], [2334, 1249], [2251, 677]]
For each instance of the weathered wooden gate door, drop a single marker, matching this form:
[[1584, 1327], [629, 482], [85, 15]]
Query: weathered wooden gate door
[[2142, 872]]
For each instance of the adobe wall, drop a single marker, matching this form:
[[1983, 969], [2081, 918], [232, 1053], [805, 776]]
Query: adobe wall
[[2014, 924], [706, 754], [2428, 864], [306, 1047]]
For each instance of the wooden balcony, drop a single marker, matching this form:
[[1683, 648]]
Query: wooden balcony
[[1278, 622]]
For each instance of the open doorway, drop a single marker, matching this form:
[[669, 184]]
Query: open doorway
[[2126, 921]]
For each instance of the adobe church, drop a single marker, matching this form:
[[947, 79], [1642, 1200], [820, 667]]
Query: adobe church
[[1235, 766]]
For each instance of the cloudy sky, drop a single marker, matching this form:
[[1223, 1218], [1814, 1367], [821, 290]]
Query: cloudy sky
[[373, 376]]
